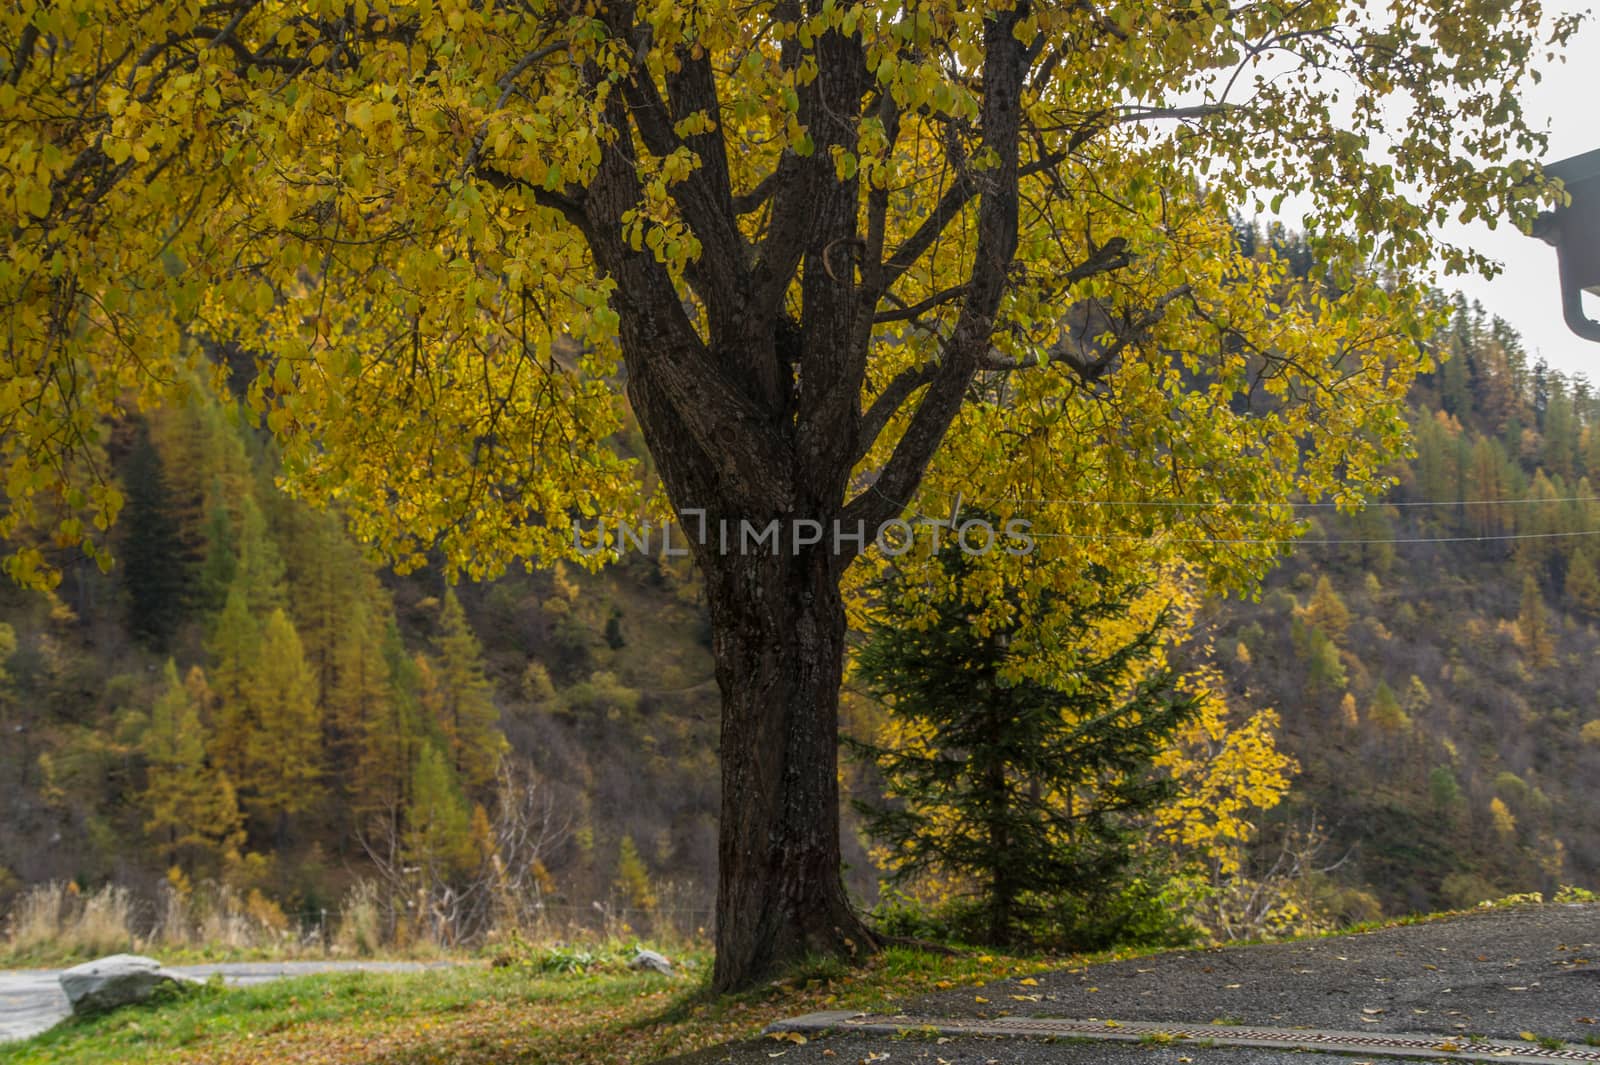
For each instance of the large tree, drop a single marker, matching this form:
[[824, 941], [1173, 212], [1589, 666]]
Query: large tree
[[800, 234]]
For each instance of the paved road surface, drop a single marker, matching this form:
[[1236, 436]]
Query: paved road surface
[[1493, 974], [31, 1000]]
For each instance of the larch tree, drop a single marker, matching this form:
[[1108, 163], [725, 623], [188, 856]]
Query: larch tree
[[283, 764], [437, 843], [462, 701], [260, 570], [1581, 589], [1533, 626], [234, 645], [392, 738], [359, 711], [192, 811], [800, 235]]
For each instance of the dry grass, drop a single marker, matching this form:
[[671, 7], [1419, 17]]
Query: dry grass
[[56, 920]]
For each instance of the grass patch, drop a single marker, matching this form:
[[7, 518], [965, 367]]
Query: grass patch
[[476, 1015]]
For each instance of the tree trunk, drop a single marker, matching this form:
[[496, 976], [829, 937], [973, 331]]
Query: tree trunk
[[778, 630]]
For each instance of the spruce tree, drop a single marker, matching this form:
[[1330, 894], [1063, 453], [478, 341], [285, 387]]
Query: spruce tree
[[153, 570], [1025, 790]]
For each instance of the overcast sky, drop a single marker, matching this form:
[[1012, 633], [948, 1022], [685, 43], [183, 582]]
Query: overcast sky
[[1526, 294]]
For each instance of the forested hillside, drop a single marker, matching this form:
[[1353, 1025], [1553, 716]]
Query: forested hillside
[[248, 699], [1436, 657]]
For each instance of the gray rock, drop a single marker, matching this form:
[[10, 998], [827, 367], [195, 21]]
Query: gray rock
[[117, 980], [649, 959]]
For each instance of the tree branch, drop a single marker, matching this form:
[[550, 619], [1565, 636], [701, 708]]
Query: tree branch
[[703, 196], [890, 400], [1004, 73], [905, 312]]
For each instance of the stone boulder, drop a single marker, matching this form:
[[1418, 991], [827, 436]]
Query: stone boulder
[[649, 959], [118, 980]]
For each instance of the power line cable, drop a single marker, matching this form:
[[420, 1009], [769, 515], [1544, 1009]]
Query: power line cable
[[1221, 504], [1117, 538]]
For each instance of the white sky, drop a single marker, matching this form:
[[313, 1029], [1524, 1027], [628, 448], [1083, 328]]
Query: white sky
[[1526, 293]]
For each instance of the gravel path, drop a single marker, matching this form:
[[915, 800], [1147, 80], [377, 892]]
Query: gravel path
[[1494, 973], [31, 1000]]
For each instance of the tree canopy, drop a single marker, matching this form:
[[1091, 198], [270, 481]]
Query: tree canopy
[[815, 240], [407, 210]]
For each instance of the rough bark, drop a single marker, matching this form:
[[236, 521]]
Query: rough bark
[[778, 630]]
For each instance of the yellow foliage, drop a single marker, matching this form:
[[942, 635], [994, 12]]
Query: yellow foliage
[[1229, 772], [1505, 824], [395, 209]]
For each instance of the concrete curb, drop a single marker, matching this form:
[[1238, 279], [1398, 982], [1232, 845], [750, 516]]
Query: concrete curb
[[1374, 1044]]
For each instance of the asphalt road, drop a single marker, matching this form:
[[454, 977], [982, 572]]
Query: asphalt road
[[31, 1000], [1498, 973]]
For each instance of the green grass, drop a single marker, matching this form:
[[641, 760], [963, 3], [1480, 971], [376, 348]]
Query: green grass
[[475, 1015]]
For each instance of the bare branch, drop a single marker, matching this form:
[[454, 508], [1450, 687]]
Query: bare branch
[[906, 312]]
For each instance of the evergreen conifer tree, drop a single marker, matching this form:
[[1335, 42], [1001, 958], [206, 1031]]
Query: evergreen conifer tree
[[153, 570], [1025, 790]]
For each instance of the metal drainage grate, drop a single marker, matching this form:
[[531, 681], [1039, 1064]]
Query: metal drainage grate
[[1421, 1045]]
